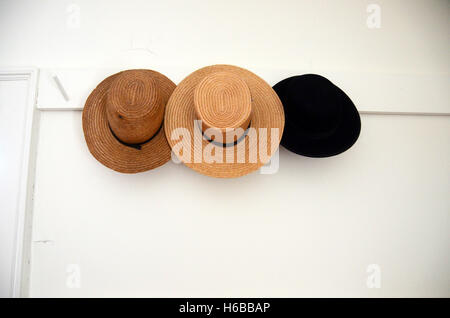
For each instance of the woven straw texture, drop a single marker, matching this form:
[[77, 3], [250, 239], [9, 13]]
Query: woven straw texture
[[249, 102], [138, 99]]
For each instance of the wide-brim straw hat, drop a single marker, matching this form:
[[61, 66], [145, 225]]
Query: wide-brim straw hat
[[123, 121], [224, 98], [321, 120]]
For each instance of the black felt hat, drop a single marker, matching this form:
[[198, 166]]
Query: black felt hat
[[321, 120]]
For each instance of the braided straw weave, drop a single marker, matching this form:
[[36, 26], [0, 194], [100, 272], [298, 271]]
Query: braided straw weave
[[129, 106], [223, 97]]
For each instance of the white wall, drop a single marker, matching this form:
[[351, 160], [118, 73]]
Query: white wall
[[309, 230], [285, 34]]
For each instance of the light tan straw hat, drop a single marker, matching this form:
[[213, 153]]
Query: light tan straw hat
[[224, 121], [123, 119]]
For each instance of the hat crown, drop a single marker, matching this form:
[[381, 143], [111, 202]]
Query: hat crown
[[223, 103], [134, 106], [314, 103]]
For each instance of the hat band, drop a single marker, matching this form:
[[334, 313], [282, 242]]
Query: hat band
[[223, 144], [135, 146]]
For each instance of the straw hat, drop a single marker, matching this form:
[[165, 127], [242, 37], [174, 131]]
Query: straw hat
[[123, 118], [224, 121], [321, 120]]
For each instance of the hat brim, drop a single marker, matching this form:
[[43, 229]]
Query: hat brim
[[109, 151], [267, 112], [339, 141]]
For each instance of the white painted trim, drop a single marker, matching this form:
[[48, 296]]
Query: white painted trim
[[20, 266], [368, 112], [372, 92]]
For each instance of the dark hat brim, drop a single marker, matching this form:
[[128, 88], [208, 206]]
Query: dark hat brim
[[342, 138]]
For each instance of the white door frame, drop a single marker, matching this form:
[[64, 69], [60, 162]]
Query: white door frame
[[21, 262]]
